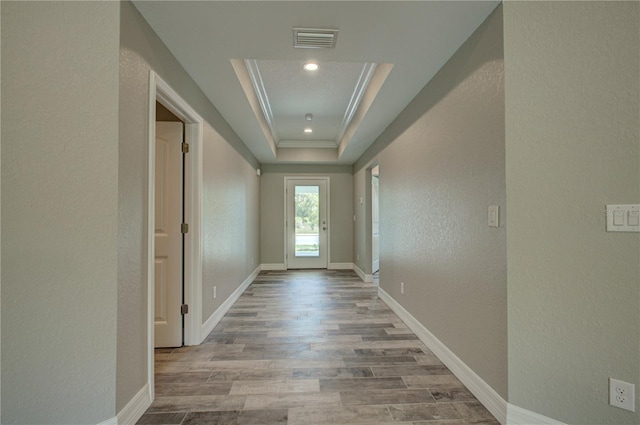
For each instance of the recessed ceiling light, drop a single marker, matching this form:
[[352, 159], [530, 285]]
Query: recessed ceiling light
[[308, 130], [310, 66], [308, 117]]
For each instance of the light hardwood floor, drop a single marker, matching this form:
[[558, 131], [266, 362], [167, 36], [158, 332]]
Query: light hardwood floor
[[305, 348]]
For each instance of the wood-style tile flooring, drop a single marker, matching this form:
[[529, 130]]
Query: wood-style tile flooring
[[305, 348]]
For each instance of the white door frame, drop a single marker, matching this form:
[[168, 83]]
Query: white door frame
[[286, 236], [374, 200], [193, 125]]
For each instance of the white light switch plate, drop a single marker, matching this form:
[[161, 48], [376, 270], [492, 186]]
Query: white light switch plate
[[494, 216], [623, 218]]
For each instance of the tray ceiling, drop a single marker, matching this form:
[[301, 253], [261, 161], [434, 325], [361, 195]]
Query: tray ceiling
[[242, 55]]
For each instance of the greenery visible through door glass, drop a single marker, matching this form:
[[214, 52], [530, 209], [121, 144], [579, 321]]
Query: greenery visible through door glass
[[307, 212]]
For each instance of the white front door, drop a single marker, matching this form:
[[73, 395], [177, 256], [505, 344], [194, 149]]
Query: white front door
[[307, 223], [168, 235]]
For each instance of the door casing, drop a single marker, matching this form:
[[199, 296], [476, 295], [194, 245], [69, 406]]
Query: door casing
[[160, 91], [375, 219]]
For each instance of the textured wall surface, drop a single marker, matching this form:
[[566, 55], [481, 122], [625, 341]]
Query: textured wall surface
[[437, 178], [231, 227], [272, 211], [573, 145], [271, 218], [141, 51], [59, 211]]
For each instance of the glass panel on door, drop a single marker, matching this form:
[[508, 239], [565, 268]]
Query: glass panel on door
[[307, 221]]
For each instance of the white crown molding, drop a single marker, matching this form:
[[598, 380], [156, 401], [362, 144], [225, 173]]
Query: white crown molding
[[350, 121], [322, 144], [261, 94], [361, 87]]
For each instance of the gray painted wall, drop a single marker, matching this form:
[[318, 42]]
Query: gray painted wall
[[230, 192], [573, 145], [441, 166], [272, 211], [231, 229], [59, 211]]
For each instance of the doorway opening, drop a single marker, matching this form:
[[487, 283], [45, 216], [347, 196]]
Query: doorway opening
[[190, 251], [375, 220]]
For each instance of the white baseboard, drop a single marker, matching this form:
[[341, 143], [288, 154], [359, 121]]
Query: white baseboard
[[340, 266], [273, 267], [110, 421], [130, 414], [367, 278], [483, 392], [217, 315], [519, 416]]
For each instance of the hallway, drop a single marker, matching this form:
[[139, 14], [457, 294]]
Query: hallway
[[309, 347]]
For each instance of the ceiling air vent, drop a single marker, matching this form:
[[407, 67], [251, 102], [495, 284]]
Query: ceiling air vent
[[313, 38]]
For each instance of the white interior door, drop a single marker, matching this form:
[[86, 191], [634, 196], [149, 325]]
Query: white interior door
[[375, 220], [168, 235], [307, 223]]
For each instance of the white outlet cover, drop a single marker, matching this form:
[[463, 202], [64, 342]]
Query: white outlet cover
[[622, 394]]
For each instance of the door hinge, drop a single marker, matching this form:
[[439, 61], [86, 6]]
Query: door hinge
[[184, 309], [185, 148], [184, 228]]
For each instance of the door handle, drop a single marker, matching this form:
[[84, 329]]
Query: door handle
[[324, 228]]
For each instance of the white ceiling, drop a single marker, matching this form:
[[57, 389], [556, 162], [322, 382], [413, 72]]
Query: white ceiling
[[224, 45]]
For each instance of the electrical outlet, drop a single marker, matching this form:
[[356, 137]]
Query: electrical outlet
[[215, 292], [402, 288], [622, 394]]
